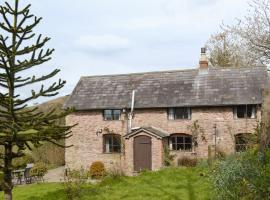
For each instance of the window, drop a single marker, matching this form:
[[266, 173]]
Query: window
[[111, 143], [179, 113], [241, 142], [112, 114], [245, 111], [181, 142]]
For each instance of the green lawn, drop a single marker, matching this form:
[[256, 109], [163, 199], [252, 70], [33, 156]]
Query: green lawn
[[170, 184]]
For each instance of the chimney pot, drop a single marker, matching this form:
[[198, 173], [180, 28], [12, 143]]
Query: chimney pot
[[203, 60], [203, 50]]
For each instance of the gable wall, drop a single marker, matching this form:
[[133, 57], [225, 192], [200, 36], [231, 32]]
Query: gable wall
[[88, 143]]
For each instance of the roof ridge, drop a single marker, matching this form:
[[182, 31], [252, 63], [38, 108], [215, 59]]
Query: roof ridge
[[139, 73], [171, 71]]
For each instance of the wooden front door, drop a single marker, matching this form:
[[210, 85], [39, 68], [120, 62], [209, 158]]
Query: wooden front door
[[142, 153]]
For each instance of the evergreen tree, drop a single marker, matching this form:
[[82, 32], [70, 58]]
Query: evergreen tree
[[22, 127]]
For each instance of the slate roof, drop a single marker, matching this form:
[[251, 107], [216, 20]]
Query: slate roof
[[151, 130], [194, 87]]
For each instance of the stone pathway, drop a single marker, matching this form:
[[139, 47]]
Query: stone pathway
[[55, 175]]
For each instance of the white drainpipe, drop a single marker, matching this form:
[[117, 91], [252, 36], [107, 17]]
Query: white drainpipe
[[131, 111]]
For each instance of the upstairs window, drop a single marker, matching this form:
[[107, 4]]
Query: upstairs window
[[181, 142], [241, 142], [245, 111], [111, 143], [179, 113], [112, 114]]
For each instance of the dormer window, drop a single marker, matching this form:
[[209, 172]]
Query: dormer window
[[245, 111], [112, 114], [179, 113]]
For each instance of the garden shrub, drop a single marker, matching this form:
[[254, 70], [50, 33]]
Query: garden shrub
[[74, 182], [97, 169], [116, 171], [21, 162], [187, 162], [168, 157], [39, 170], [243, 176]]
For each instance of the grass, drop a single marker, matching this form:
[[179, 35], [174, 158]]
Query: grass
[[167, 184]]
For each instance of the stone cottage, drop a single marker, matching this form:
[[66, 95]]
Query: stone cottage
[[128, 120]]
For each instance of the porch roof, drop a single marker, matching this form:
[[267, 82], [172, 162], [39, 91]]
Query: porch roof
[[151, 130]]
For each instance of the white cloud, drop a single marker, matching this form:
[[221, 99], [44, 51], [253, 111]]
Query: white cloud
[[103, 43]]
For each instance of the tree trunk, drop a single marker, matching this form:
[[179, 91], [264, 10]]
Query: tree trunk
[[265, 129], [7, 172]]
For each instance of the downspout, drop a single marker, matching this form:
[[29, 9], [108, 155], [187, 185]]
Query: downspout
[[130, 115]]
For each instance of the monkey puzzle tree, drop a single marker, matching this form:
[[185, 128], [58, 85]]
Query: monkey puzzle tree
[[22, 127]]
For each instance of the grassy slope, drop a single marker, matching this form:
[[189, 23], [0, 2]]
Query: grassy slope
[[169, 184]]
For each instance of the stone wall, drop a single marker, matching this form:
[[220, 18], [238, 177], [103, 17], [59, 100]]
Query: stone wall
[[87, 135]]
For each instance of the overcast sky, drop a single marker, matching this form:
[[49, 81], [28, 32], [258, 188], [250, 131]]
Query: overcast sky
[[125, 36]]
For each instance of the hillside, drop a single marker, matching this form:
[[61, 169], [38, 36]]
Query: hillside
[[50, 154]]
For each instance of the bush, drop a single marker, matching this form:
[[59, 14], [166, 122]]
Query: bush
[[168, 157], [244, 176], [22, 161], [73, 183], [187, 162], [116, 171], [97, 169], [39, 170]]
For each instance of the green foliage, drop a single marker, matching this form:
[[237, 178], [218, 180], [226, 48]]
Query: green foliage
[[39, 169], [187, 162], [21, 50], [19, 163], [168, 157], [243, 176], [74, 181], [196, 131], [97, 169]]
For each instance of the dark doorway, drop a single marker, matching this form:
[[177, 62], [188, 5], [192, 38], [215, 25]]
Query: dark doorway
[[142, 153]]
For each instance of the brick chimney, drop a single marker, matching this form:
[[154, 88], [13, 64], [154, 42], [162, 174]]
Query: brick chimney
[[203, 60]]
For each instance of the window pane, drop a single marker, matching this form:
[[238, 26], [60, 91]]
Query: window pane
[[108, 114], [241, 110], [188, 146], [249, 111], [174, 147], [116, 140], [188, 139], [180, 139], [112, 143], [181, 113], [173, 140], [107, 144], [116, 114], [171, 113], [180, 146]]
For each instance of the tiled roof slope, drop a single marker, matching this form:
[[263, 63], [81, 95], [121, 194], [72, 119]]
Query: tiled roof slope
[[194, 87]]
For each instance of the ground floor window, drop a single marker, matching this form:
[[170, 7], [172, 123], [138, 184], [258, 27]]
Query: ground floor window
[[181, 142], [241, 142], [111, 143]]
